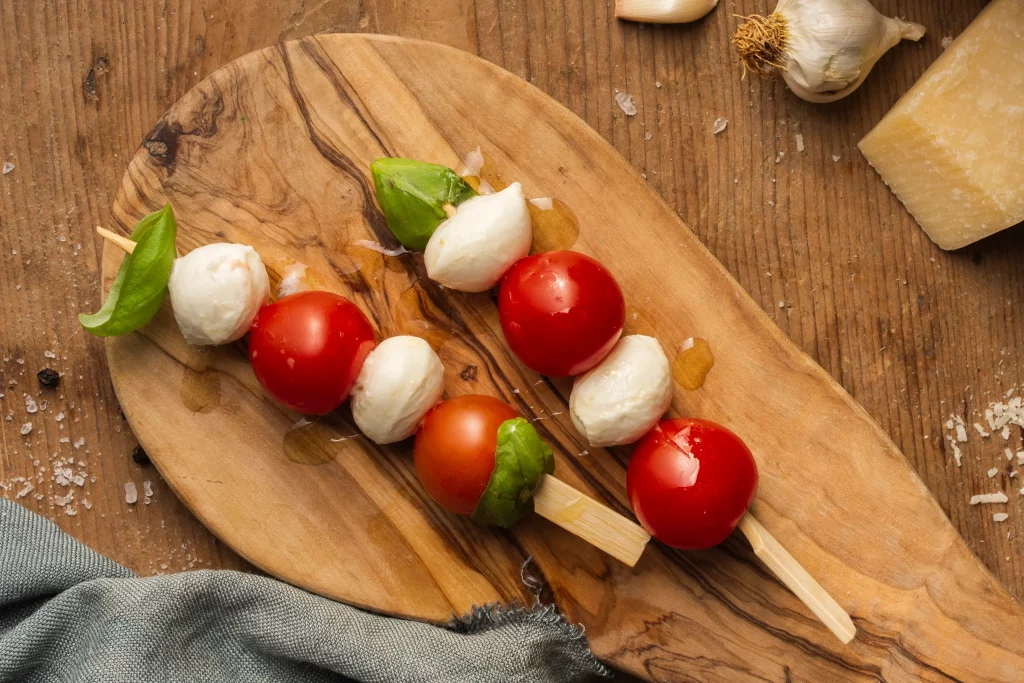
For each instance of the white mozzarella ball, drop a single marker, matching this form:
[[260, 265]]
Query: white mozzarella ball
[[622, 398], [399, 382], [216, 291], [473, 249]]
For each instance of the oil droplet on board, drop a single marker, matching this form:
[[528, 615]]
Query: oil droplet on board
[[555, 228], [311, 443], [409, 316], [692, 364], [200, 385]]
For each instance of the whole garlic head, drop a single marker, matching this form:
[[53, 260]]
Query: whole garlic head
[[624, 397], [399, 382], [472, 250], [216, 291], [824, 48]]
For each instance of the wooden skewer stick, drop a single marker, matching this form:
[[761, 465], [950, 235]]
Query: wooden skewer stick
[[796, 578], [120, 241], [595, 523], [449, 210]]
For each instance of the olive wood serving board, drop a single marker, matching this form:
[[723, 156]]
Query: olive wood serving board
[[273, 150]]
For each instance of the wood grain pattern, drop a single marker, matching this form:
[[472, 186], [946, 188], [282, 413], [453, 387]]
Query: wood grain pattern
[[273, 150], [913, 333]]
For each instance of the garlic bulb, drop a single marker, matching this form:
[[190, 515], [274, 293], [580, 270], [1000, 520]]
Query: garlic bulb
[[824, 48], [663, 11]]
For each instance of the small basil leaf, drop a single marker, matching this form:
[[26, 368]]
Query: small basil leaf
[[140, 285], [520, 463], [413, 194]]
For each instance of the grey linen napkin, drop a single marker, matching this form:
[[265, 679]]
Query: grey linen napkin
[[70, 614]]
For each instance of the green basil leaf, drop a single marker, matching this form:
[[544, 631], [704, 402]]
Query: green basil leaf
[[140, 285], [412, 195], [520, 463]]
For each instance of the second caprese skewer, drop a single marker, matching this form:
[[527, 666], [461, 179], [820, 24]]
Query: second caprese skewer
[[690, 482]]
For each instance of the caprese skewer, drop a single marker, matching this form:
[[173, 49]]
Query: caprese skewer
[[690, 482]]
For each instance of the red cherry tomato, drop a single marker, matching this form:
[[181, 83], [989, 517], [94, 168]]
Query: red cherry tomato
[[561, 311], [690, 481], [454, 450], [306, 350]]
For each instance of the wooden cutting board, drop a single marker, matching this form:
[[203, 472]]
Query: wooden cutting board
[[273, 151]]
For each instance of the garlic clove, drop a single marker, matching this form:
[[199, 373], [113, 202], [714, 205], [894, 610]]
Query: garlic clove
[[472, 250], [663, 11], [824, 48]]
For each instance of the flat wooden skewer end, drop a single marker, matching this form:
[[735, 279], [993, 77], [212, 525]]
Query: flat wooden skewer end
[[118, 240], [595, 523], [796, 578]]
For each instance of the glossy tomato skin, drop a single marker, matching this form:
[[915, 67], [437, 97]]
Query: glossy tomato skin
[[307, 348], [561, 312], [454, 449], [690, 481]]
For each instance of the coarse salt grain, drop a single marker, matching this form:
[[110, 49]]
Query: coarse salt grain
[[625, 102], [1000, 517], [131, 494], [30, 404], [993, 472], [998, 497], [26, 428], [78, 444], [543, 203], [719, 125], [799, 142], [8, 167]]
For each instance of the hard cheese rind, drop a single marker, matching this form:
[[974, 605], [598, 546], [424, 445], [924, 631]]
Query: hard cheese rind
[[952, 149]]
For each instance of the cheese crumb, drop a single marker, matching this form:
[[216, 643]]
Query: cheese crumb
[[993, 472], [1000, 517], [981, 431], [799, 142]]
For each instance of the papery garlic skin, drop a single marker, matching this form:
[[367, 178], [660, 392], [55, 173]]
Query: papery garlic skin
[[622, 398], [473, 249], [399, 382], [663, 11], [825, 48]]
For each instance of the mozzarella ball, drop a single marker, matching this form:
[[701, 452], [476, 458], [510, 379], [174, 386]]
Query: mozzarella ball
[[473, 249], [399, 382], [216, 291], [622, 398]]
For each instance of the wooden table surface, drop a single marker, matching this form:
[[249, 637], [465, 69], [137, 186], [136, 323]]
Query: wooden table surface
[[915, 334]]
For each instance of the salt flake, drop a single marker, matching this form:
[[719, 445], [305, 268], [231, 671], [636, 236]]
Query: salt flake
[[719, 125], [625, 102]]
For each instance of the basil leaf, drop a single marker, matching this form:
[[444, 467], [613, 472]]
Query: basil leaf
[[520, 462], [140, 285], [412, 195]]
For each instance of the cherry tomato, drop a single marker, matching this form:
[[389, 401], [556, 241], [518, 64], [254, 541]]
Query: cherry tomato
[[690, 481], [306, 350], [454, 449], [561, 311]]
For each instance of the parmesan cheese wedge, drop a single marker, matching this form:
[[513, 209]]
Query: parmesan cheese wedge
[[952, 149]]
